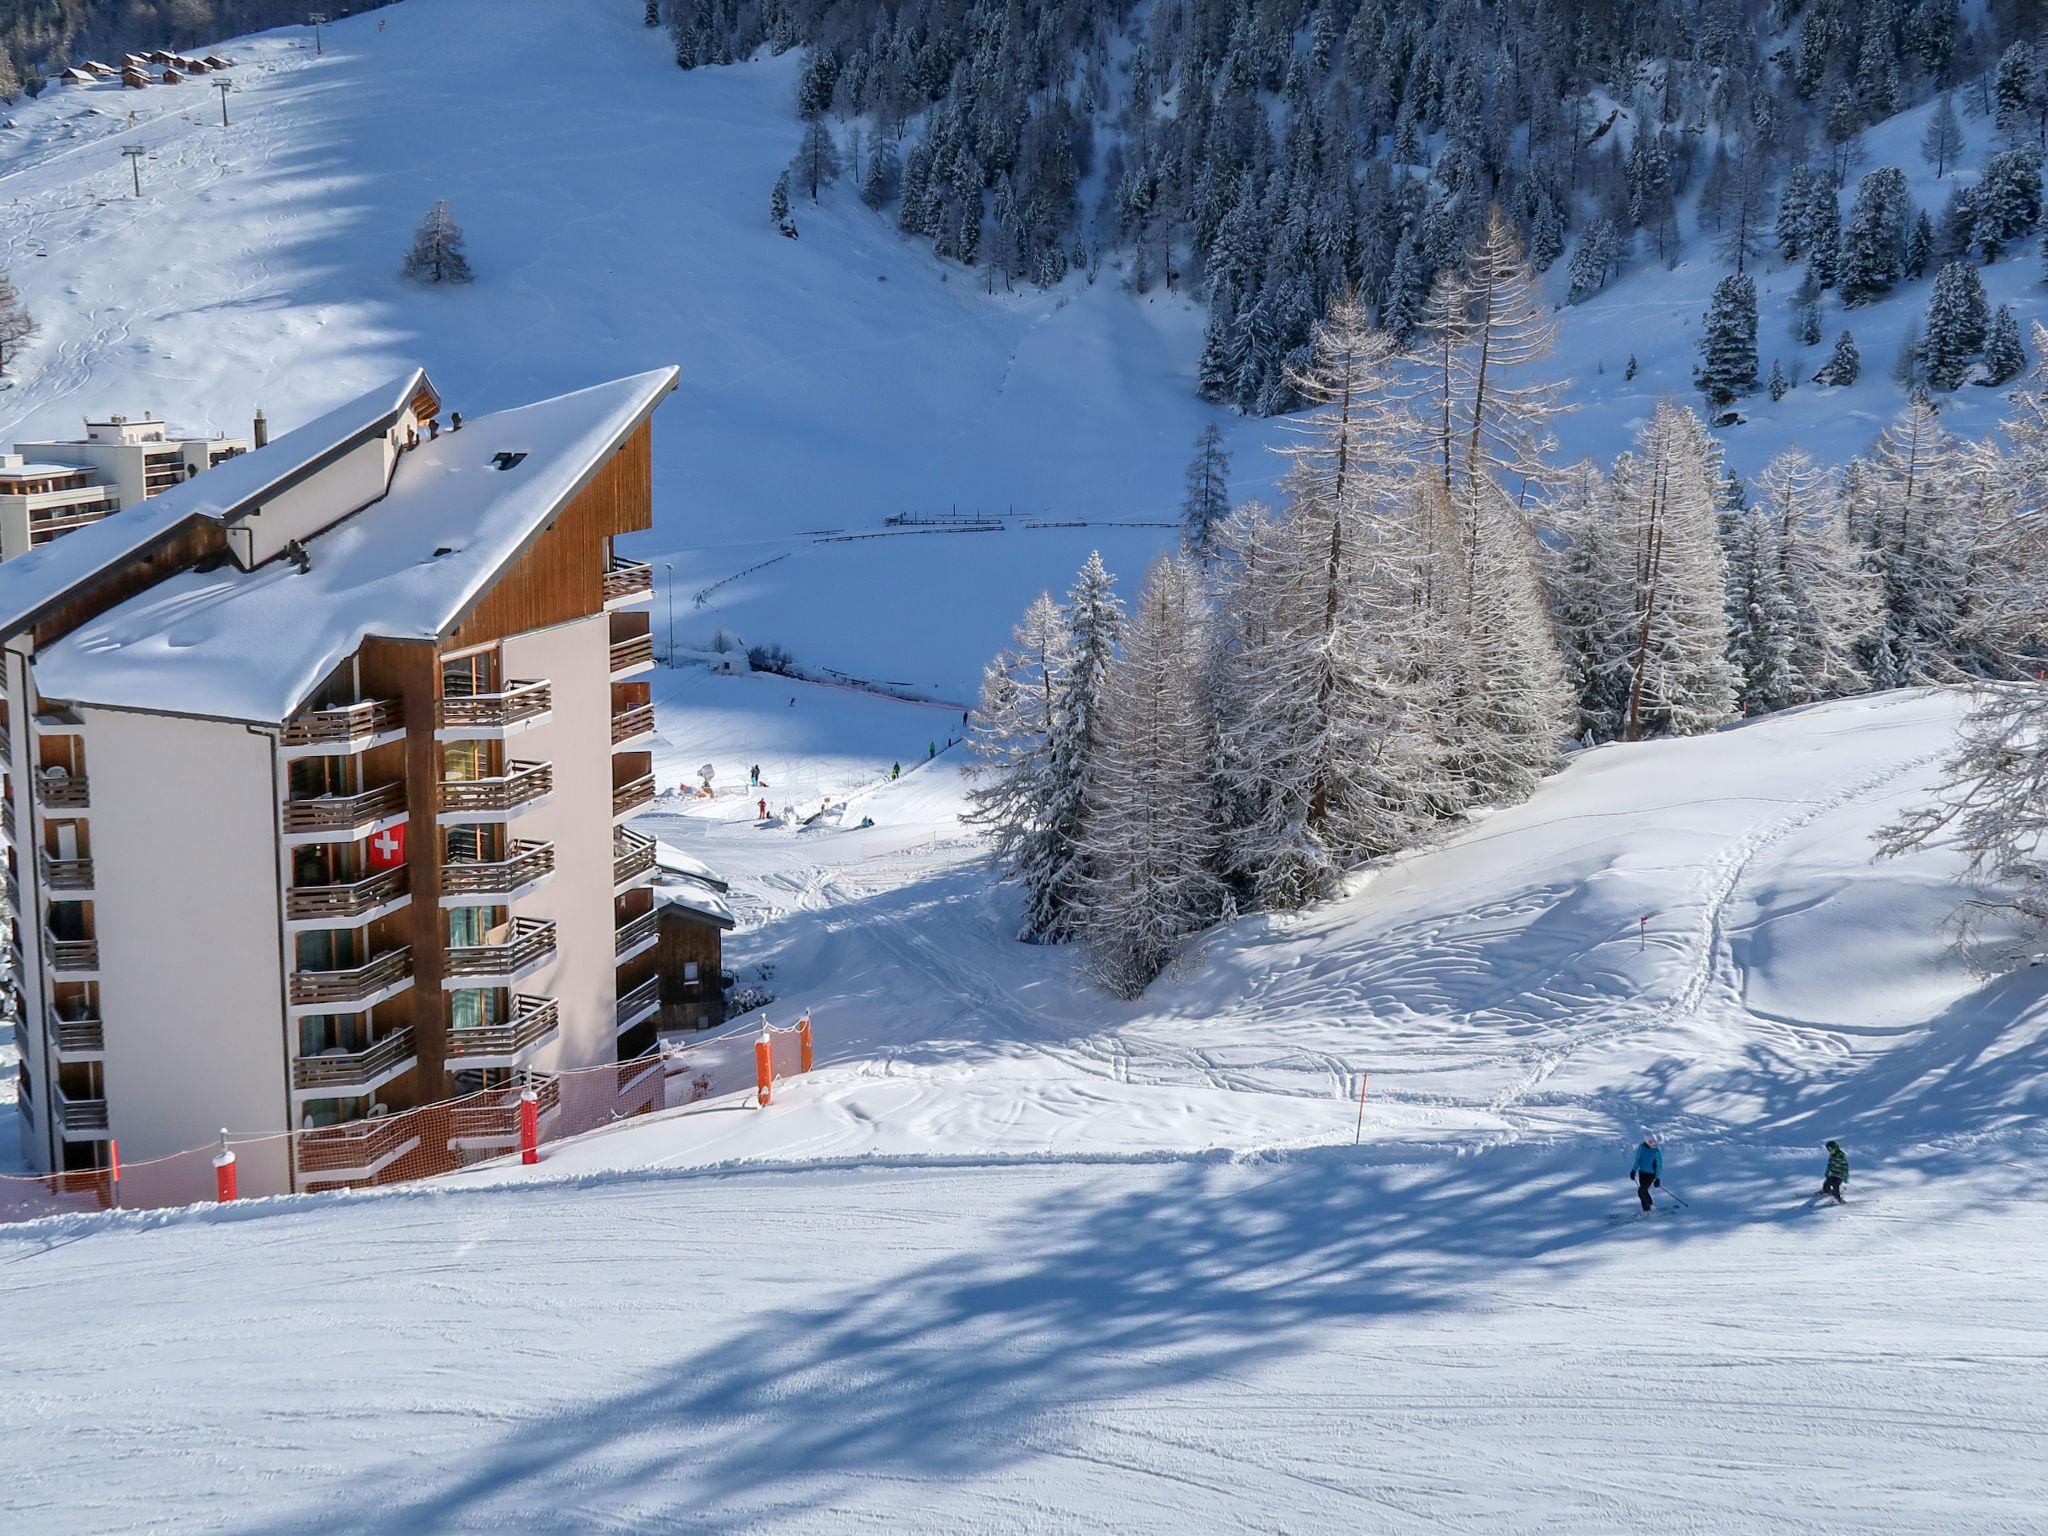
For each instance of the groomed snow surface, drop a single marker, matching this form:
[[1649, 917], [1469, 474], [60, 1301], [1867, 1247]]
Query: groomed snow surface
[[1018, 1259]]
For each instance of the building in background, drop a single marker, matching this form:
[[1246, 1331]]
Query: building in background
[[317, 770], [136, 459], [40, 502]]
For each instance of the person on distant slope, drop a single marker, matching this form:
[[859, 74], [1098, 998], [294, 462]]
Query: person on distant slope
[[1837, 1174], [1648, 1169]]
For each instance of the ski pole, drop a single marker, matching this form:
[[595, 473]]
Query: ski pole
[[1681, 1201]]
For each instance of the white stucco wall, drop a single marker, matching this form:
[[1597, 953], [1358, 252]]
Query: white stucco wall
[[186, 909], [352, 482]]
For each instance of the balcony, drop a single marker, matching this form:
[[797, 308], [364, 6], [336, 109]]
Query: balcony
[[352, 904], [632, 655], [535, 1022], [71, 955], [632, 725], [77, 1039], [63, 874], [642, 1076], [352, 991], [632, 858], [628, 582], [80, 1119], [632, 797], [638, 1005], [520, 787], [531, 866], [344, 818], [360, 1150], [57, 790], [638, 935], [356, 1071], [529, 945], [494, 716], [491, 1123], [344, 728]]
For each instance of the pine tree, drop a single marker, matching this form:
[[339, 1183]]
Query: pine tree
[[2015, 90], [2007, 200], [437, 255], [1957, 320], [1014, 791], [1207, 501], [1806, 324], [653, 13], [1907, 490], [17, 326], [1824, 242], [1591, 262], [778, 200], [1844, 364], [1093, 617], [879, 178], [1874, 243], [1727, 345], [1778, 384], [1152, 843], [2005, 359], [1832, 597], [1943, 140]]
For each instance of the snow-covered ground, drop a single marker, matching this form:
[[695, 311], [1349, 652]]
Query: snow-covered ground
[[1018, 1258]]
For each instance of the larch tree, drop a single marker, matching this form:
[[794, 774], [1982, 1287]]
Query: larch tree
[[437, 254], [1943, 140], [817, 158], [17, 326], [1831, 594], [1207, 499]]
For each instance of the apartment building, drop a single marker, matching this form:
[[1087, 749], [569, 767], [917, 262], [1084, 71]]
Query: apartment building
[[40, 502], [317, 773], [136, 459]]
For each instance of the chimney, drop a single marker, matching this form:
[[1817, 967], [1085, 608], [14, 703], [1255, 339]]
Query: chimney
[[261, 435]]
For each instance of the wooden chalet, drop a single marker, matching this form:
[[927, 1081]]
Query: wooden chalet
[[134, 79]]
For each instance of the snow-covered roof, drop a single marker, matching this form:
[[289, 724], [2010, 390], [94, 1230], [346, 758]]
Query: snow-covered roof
[[38, 471], [672, 860], [33, 582], [251, 645], [698, 900]]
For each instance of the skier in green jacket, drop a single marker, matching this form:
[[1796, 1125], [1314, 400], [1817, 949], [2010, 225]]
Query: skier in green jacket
[[1837, 1174]]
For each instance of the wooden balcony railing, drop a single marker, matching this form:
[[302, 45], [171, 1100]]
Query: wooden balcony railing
[[532, 940], [634, 1006], [359, 1144], [354, 1069], [499, 877], [352, 986], [632, 856], [497, 1119], [626, 579], [633, 651], [311, 903], [64, 874], [633, 795], [80, 1116], [635, 720], [637, 931], [71, 954], [62, 791], [521, 784], [496, 711], [635, 1068], [343, 724], [78, 1037], [342, 813], [533, 1020]]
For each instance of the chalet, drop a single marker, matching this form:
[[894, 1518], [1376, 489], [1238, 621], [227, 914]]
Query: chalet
[[78, 77], [692, 922], [133, 78], [215, 61], [104, 71], [317, 768], [171, 77]]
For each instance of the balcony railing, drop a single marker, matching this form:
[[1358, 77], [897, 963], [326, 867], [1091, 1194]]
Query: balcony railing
[[80, 1117], [636, 720], [313, 903], [639, 930], [532, 940], [500, 877], [71, 954], [534, 1019], [355, 1069], [64, 874], [637, 1005], [631, 652], [496, 711], [343, 813], [78, 1037], [352, 986], [628, 579], [62, 791], [482, 1124], [344, 724], [633, 795], [632, 856], [521, 784], [360, 1148], [636, 1069]]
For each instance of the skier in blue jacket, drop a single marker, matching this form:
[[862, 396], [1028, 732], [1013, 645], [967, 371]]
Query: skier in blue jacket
[[1648, 1169]]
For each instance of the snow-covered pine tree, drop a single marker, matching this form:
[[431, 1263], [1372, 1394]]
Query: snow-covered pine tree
[[1844, 365], [2005, 358], [1824, 240], [1958, 318], [1665, 494], [1874, 242], [1207, 501], [1013, 791], [1094, 620], [778, 199], [1831, 596], [1727, 344], [653, 13], [437, 255], [17, 326], [1589, 581], [1806, 324], [1904, 505], [2006, 201], [1778, 383], [1152, 840], [1761, 622]]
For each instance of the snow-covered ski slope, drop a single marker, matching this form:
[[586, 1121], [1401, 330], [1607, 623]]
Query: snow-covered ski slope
[[1018, 1259]]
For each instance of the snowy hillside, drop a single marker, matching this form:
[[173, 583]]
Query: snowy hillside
[[1016, 1259]]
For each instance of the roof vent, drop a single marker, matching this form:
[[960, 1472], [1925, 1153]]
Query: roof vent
[[295, 552], [444, 549], [508, 460]]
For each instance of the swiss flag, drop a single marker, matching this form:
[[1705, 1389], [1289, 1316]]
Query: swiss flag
[[387, 848]]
